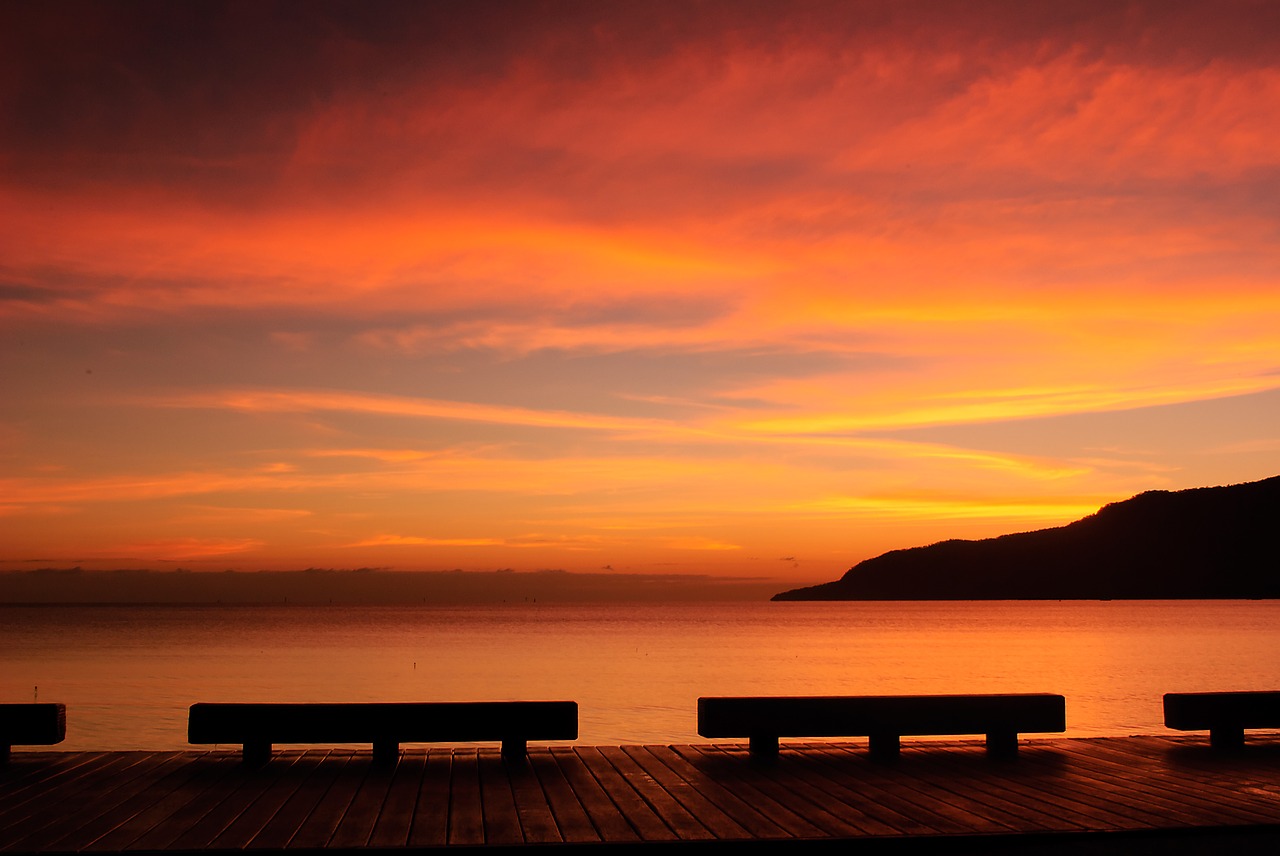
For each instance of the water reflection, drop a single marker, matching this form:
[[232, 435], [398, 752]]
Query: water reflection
[[128, 674]]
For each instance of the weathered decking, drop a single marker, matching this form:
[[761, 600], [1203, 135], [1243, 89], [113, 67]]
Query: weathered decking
[[1085, 795]]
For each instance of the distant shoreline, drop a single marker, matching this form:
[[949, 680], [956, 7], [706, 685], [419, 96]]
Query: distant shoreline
[[318, 587]]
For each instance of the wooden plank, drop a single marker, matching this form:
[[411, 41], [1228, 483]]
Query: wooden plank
[[718, 775], [1003, 781], [1003, 784], [186, 783], [1109, 792], [1193, 760], [924, 769], [1128, 776], [101, 810], [246, 787], [430, 827], [466, 806], [216, 775], [501, 820], [855, 779], [857, 792], [620, 787], [913, 784], [250, 822], [278, 832], [318, 826], [118, 802], [537, 820], [58, 786], [163, 777], [707, 813], [892, 784], [761, 819], [1216, 796], [31, 773], [1182, 796], [571, 818], [1051, 777], [355, 828], [778, 783], [611, 825], [395, 821], [1242, 778]]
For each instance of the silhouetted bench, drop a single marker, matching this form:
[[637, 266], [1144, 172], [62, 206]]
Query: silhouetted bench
[[882, 719], [31, 725], [385, 725], [1224, 715]]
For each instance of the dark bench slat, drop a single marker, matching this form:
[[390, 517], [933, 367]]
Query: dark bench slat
[[31, 725], [385, 725], [883, 719], [1225, 715]]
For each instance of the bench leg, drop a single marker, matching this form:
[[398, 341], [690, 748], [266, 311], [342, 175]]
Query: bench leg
[[386, 752], [514, 749], [884, 745], [1226, 738], [1002, 743], [256, 753], [763, 746], [4, 753]]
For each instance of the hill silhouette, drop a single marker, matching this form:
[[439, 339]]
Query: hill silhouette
[[1210, 542]]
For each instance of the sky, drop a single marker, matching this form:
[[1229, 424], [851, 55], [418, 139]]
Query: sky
[[724, 288]]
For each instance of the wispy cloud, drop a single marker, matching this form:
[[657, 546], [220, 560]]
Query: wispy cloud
[[910, 507], [181, 549], [419, 541], [721, 280], [296, 401]]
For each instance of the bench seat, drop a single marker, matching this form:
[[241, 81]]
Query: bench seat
[[882, 719], [1224, 715], [385, 725], [31, 725]]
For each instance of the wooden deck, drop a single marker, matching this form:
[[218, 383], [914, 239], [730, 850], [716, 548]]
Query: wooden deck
[[1074, 795]]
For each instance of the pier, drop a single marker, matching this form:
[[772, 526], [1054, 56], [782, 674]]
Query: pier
[[1168, 794]]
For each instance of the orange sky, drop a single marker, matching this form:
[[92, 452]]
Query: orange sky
[[738, 287]]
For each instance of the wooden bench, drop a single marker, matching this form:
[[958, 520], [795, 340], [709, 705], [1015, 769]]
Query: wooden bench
[[882, 719], [1224, 715], [385, 725], [31, 725]]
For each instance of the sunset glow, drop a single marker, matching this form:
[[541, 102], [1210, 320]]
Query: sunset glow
[[729, 288]]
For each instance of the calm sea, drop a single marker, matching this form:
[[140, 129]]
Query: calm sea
[[127, 674]]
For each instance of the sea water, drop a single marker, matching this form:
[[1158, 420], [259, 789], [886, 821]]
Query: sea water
[[128, 673]]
